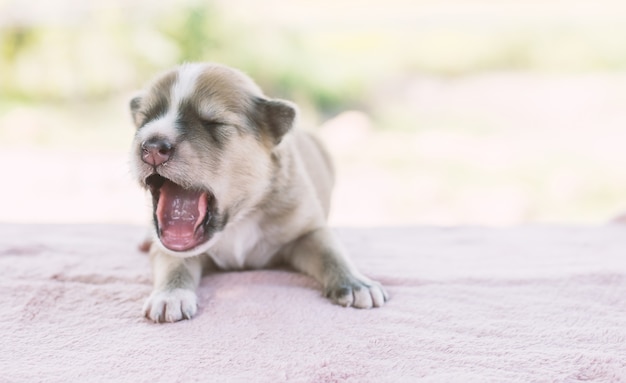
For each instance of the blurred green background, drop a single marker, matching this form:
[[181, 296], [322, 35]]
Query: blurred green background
[[437, 112]]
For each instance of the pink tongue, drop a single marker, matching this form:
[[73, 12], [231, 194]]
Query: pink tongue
[[179, 213]]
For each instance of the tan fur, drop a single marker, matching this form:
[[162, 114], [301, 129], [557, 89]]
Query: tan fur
[[271, 182]]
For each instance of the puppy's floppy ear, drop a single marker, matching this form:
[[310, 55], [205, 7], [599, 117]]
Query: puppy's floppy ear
[[278, 117], [135, 106]]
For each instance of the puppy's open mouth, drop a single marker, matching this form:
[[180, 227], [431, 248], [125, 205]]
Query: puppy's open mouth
[[181, 215]]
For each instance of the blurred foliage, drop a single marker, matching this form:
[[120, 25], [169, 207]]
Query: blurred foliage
[[110, 52], [333, 66]]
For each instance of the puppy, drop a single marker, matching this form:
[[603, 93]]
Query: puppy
[[234, 186]]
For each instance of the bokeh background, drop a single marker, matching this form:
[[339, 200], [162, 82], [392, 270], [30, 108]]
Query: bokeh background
[[437, 112]]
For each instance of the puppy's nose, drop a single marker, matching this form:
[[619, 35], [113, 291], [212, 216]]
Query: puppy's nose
[[156, 151]]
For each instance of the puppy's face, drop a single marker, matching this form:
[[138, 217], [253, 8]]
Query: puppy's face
[[203, 148]]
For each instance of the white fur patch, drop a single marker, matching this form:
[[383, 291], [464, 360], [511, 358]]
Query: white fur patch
[[243, 244], [185, 83], [161, 127], [246, 236], [182, 89]]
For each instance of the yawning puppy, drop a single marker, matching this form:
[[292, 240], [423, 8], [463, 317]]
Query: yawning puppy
[[234, 186]]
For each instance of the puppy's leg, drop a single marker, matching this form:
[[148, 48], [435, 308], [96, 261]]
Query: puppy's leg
[[320, 255], [175, 282]]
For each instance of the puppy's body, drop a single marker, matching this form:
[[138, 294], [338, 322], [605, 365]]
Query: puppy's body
[[234, 187], [254, 240]]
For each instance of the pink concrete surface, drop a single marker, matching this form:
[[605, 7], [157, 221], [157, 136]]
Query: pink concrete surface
[[530, 304]]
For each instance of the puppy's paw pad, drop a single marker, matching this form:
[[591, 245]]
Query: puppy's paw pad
[[171, 305], [362, 294]]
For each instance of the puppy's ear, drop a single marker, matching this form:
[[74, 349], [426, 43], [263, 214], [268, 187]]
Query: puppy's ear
[[278, 117], [135, 106]]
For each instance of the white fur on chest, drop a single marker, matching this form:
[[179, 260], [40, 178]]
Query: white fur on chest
[[242, 245]]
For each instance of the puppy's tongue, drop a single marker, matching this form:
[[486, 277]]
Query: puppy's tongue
[[179, 214]]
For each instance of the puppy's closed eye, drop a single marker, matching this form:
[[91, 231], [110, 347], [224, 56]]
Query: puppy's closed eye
[[208, 124]]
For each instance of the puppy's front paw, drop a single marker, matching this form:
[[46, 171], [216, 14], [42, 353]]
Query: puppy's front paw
[[171, 305], [361, 293]]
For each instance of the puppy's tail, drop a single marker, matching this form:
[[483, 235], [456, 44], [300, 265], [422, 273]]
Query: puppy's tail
[[144, 246]]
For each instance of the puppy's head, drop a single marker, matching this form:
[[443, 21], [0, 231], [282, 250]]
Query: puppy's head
[[203, 148]]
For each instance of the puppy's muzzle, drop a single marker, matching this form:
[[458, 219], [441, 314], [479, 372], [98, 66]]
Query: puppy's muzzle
[[156, 151]]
